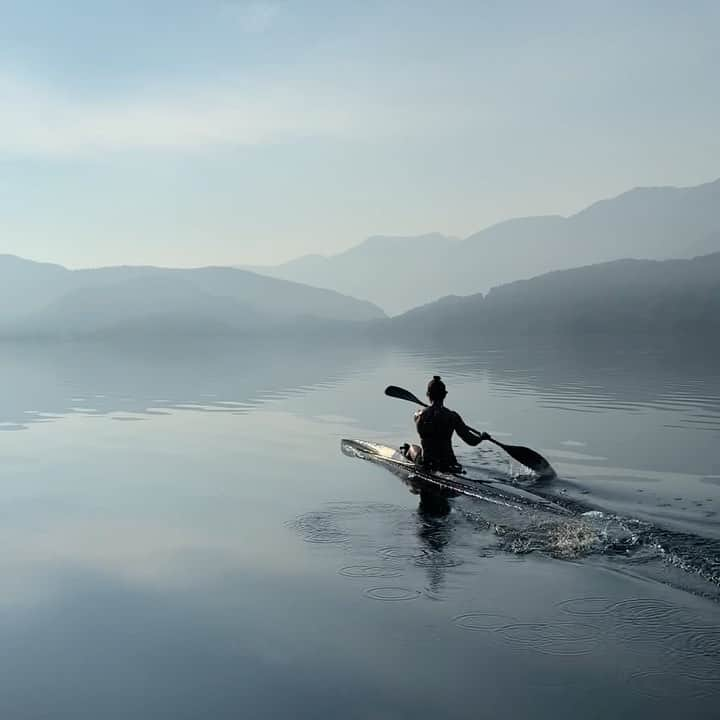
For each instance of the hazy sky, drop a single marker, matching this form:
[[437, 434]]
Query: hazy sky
[[187, 133]]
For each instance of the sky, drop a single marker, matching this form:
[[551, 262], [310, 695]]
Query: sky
[[226, 132]]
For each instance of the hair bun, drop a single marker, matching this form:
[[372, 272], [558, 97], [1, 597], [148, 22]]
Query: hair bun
[[436, 377]]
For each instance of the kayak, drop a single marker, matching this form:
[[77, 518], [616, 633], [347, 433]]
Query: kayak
[[473, 484]]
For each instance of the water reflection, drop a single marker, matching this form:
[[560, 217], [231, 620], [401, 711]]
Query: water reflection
[[40, 382], [596, 375], [434, 533]]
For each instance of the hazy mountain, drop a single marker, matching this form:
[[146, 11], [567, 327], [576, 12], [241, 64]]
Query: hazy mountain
[[399, 273], [26, 286], [623, 297], [704, 246], [39, 299], [394, 271]]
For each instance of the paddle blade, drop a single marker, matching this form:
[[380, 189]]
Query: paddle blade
[[527, 457], [402, 394]]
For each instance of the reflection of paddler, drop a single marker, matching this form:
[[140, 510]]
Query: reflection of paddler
[[436, 425], [434, 530], [435, 504], [433, 500]]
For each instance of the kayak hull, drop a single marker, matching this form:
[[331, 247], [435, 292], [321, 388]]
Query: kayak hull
[[472, 484]]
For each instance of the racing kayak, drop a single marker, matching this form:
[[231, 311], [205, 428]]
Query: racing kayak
[[474, 484]]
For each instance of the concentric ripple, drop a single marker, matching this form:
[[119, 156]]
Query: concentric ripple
[[482, 622], [402, 552], [370, 571], [642, 620], [319, 527], [586, 606], [644, 610], [563, 638], [392, 594], [700, 642], [327, 525]]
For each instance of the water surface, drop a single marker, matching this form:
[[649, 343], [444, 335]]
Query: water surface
[[181, 536]]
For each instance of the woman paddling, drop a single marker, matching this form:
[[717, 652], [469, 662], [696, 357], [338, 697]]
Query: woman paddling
[[436, 425]]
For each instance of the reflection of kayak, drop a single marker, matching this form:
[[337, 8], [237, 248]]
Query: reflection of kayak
[[474, 483]]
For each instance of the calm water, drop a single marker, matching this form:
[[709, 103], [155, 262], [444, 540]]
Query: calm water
[[182, 538]]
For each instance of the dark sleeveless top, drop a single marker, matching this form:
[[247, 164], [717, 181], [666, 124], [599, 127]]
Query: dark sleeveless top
[[435, 426]]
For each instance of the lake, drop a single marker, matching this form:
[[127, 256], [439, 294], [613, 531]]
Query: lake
[[182, 537]]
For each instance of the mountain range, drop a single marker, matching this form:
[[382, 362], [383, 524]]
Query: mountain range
[[39, 299], [602, 294], [674, 298], [398, 273]]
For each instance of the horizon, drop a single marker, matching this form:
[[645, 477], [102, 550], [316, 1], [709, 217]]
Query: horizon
[[259, 267], [252, 133]]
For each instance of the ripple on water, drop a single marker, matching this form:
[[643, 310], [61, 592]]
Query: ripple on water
[[644, 610], [402, 552], [392, 594], [440, 592], [698, 641], [324, 526], [699, 644], [319, 527], [561, 638], [642, 620], [586, 606], [483, 622], [370, 571], [442, 560]]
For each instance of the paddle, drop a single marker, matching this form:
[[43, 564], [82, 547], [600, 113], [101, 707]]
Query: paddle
[[525, 456]]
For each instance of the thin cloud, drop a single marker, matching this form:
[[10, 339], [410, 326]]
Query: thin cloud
[[37, 121]]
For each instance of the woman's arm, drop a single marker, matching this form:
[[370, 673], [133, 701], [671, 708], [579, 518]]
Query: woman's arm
[[467, 435]]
